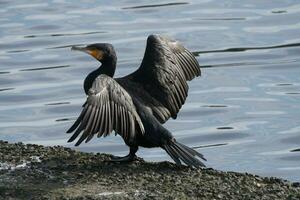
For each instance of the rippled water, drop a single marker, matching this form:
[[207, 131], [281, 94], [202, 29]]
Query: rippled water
[[243, 113]]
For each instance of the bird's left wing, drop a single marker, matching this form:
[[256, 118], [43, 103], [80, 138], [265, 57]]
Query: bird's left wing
[[108, 107], [163, 75]]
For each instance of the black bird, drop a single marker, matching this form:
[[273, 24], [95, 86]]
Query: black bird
[[136, 106]]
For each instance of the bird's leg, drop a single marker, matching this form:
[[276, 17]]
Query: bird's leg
[[130, 157]]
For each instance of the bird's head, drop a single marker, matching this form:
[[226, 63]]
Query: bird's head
[[101, 51]]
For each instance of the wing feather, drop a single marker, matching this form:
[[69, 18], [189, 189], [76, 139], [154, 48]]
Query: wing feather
[[108, 108], [94, 126], [162, 76]]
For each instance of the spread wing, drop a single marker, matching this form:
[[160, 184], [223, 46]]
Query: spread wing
[[108, 107], [163, 76]]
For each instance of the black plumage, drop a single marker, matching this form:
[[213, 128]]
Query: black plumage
[[135, 106]]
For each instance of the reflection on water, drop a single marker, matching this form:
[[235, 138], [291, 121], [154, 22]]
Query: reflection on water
[[4, 89], [211, 145], [294, 150], [63, 34], [43, 68], [245, 105], [156, 5], [238, 49]]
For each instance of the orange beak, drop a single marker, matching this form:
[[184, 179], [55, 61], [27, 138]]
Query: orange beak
[[98, 54]]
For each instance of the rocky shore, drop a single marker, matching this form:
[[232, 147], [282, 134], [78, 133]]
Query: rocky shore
[[37, 172]]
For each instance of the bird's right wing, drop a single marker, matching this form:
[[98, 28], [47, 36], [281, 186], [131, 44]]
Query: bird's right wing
[[108, 107]]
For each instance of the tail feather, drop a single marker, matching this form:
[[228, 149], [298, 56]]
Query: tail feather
[[191, 156], [192, 151], [172, 154], [180, 152], [186, 157]]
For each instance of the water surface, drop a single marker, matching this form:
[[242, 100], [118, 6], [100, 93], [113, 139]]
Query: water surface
[[243, 114]]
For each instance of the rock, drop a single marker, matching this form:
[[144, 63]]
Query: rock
[[62, 173]]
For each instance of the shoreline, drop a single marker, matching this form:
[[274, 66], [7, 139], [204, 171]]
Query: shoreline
[[29, 171]]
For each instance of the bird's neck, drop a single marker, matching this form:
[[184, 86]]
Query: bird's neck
[[108, 68]]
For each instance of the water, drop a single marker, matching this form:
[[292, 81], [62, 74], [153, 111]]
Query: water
[[243, 114]]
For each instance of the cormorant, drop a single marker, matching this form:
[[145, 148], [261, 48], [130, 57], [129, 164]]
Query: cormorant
[[136, 106]]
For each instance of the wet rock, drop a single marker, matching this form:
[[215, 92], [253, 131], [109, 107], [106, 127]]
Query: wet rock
[[296, 184]]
